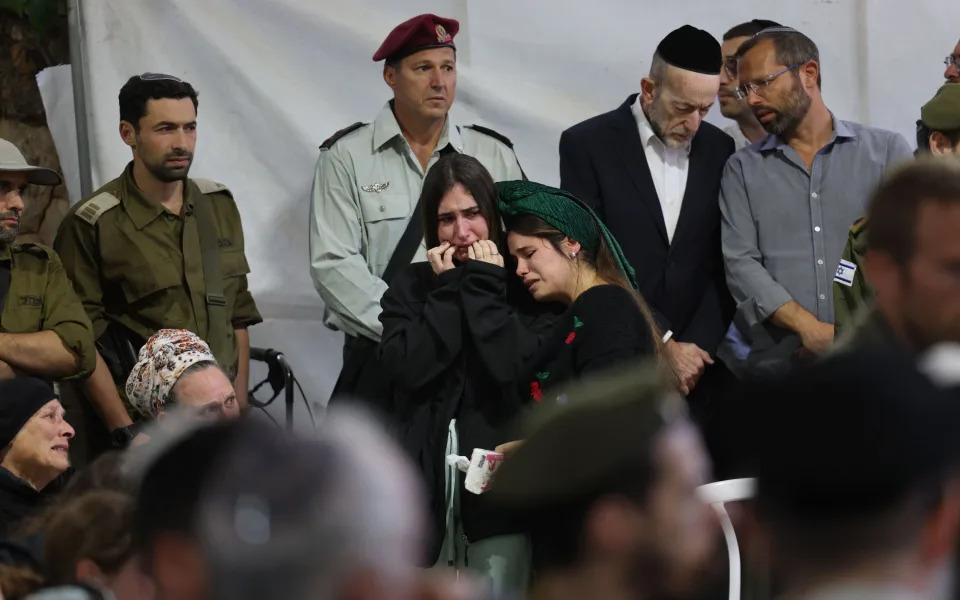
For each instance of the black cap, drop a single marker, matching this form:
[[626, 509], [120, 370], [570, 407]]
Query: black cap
[[21, 398], [855, 432], [691, 49]]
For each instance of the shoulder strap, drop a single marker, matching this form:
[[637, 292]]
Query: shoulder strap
[[92, 209], [500, 138], [330, 141], [410, 240], [217, 317], [209, 186]]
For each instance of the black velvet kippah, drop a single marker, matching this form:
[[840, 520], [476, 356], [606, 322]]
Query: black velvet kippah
[[691, 49]]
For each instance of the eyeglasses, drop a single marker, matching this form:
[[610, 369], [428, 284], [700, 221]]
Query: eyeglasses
[[755, 86], [952, 60], [730, 66], [158, 77]]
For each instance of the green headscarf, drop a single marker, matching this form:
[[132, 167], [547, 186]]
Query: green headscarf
[[564, 211]]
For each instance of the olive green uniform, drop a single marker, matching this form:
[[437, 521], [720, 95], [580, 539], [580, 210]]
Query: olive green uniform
[[41, 298], [133, 262], [851, 293]]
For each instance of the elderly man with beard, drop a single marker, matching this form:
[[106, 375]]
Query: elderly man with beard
[[788, 201], [651, 170], [155, 250], [45, 331]]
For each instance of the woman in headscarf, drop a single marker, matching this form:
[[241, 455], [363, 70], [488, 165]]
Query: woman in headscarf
[[565, 254], [34, 445], [457, 330], [177, 370]]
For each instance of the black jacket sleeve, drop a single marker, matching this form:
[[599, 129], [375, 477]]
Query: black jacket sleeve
[[614, 331], [503, 341], [422, 325]]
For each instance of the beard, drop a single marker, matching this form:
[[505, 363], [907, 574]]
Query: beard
[[657, 115], [788, 116], [8, 233], [169, 174]]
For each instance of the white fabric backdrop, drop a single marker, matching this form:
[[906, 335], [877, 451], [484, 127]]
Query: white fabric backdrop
[[276, 77]]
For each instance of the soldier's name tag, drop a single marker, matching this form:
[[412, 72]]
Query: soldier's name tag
[[845, 273], [31, 301]]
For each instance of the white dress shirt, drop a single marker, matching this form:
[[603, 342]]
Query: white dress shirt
[[668, 168]]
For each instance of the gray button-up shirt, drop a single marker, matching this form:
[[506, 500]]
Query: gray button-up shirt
[[366, 188], [784, 226]]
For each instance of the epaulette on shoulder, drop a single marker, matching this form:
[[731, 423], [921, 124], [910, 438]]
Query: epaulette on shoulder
[[93, 209], [494, 134], [858, 226], [209, 186], [330, 141], [33, 249]]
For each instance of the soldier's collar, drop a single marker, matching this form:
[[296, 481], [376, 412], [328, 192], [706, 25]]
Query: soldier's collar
[[5, 254], [386, 129], [141, 211]]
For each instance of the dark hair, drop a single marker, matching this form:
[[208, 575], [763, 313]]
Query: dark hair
[[602, 262], [95, 526], [104, 473], [896, 203], [169, 493], [790, 47], [136, 92], [19, 581], [806, 545], [749, 29], [467, 171], [203, 365]]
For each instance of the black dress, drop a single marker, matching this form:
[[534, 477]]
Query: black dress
[[602, 328], [17, 501], [456, 346]]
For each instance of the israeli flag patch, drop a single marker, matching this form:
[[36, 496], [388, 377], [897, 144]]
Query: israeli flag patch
[[845, 273]]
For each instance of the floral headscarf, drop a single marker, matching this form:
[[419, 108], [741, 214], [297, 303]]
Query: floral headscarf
[[163, 359]]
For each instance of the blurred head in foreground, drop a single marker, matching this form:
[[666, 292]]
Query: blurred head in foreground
[[606, 485], [858, 484]]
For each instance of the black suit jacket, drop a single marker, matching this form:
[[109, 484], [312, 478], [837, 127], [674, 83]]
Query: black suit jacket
[[602, 162]]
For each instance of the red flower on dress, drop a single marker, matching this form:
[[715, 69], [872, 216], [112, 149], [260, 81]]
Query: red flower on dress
[[535, 392], [571, 337]]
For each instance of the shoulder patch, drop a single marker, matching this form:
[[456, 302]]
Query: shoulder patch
[[330, 141], [858, 225], [494, 134], [93, 209], [33, 249], [209, 186]]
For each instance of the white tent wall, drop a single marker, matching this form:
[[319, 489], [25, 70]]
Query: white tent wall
[[276, 77]]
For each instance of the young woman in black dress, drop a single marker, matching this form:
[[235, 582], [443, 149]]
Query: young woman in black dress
[[563, 253]]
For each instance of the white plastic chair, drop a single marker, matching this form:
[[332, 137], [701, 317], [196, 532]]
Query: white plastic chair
[[716, 495]]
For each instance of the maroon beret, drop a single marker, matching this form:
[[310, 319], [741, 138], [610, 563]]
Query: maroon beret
[[419, 33]]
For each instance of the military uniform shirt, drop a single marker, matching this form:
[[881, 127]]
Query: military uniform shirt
[[366, 188], [41, 298], [851, 293], [138, 265]]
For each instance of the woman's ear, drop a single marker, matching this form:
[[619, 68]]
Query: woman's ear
[[571, 247]]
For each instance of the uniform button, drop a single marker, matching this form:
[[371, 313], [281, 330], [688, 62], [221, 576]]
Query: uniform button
[[820, 262], [817, 228], [813, 195], [822, 297], [382, 209]]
